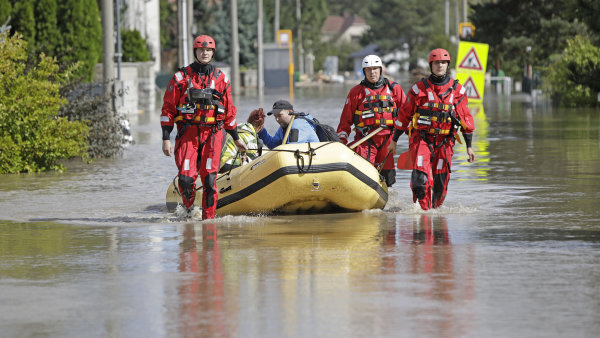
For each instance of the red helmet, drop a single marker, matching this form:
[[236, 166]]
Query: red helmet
[[439, 54], [204, 41]]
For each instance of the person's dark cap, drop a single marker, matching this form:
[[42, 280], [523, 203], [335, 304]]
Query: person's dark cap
[[280, 105]]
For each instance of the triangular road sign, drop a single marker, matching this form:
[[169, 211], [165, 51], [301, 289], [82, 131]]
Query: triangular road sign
[[471, 89], [471, 61]]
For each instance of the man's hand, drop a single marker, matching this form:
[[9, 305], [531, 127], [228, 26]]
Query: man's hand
[[391, 148], [242, 149], [240, 145], [471, 155], [167, 148], [257, 119]]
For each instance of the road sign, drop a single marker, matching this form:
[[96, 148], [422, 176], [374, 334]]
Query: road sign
[[466, 30], [473, 84], [471, 61], [472, 56], [284, 38], [470, 68]]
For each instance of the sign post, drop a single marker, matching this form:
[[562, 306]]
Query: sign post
[[284, 39]]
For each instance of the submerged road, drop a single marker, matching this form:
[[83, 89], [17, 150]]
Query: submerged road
[[514, 251]]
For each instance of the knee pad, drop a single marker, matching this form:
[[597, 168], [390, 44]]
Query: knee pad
[[439, 185], [186, 184], [210, 188], [389, 175], [418, 182]]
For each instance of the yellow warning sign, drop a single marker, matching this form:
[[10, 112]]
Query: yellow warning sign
[[473, 84], [470, 68], [472, 56], [471, 61]]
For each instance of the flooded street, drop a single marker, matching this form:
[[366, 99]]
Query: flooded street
[[514, 251]]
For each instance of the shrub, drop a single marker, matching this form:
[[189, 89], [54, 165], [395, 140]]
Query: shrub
[[573, 76], [134, 46], [88, 104], [33, 137]]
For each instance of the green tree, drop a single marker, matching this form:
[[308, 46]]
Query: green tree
[[510, 26], [573, 76], [81, 32], [395, 23], [341, 7], [313, 14], [220, 30], [46, 25], [134, 46], [168, 24], [32, 136], [23, 20], [5, 11], [588, 11]]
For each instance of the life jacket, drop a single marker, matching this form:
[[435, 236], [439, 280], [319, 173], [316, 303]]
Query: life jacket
[[229, 153], [436, 116], [376, 110], [202, 103]]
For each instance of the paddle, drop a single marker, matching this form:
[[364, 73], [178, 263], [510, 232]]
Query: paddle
[[373, 133], [289, 128], [405, 161]]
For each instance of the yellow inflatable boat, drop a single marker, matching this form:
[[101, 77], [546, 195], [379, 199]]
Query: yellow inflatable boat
[[297, 178]]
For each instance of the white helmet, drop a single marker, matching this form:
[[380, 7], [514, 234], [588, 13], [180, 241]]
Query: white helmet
[[371, 61]]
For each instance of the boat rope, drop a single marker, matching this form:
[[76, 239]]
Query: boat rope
[[297, 153], [380, 165]]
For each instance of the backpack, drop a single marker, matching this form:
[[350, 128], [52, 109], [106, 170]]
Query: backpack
[[325, 132]]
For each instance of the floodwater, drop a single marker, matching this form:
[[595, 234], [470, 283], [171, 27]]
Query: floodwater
[[514, 251]]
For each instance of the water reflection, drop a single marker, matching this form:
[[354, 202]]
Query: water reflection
[[201, 289], [422, 248], [299, 279]]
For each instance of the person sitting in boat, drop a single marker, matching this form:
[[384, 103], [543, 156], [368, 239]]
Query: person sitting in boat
[[301, 130], [231, 157]]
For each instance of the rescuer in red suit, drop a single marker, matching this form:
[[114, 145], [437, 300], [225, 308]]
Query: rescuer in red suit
[[371, 104], [435, 110], [198, 99]]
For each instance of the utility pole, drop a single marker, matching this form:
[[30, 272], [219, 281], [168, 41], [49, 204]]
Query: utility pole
[[260, 69], [183, 34], [190, 36], [457, 18], [119, 52], [108, 46], [299, 39], [447, 17], [276, 23], [235, 53]]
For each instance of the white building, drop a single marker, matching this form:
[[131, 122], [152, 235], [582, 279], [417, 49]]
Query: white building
[[144, 15]]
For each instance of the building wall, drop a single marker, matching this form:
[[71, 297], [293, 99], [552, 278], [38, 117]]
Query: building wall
[[144, 15]]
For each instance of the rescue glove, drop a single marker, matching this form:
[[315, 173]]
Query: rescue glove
[[257, 119]]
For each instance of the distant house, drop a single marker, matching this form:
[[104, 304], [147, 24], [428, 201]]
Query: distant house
[[358, 56], [393, 62], [347, 28]]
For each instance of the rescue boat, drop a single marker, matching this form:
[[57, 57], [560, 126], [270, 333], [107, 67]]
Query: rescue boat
[[297, 178]]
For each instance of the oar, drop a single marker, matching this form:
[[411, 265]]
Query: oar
[[405, 161], [373, 133], [287, 131]]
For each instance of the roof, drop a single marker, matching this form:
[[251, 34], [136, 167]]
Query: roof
[[368, 50], [335, 24]]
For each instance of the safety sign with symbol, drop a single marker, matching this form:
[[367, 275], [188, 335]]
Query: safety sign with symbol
[[470, 68], [471, 61]]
